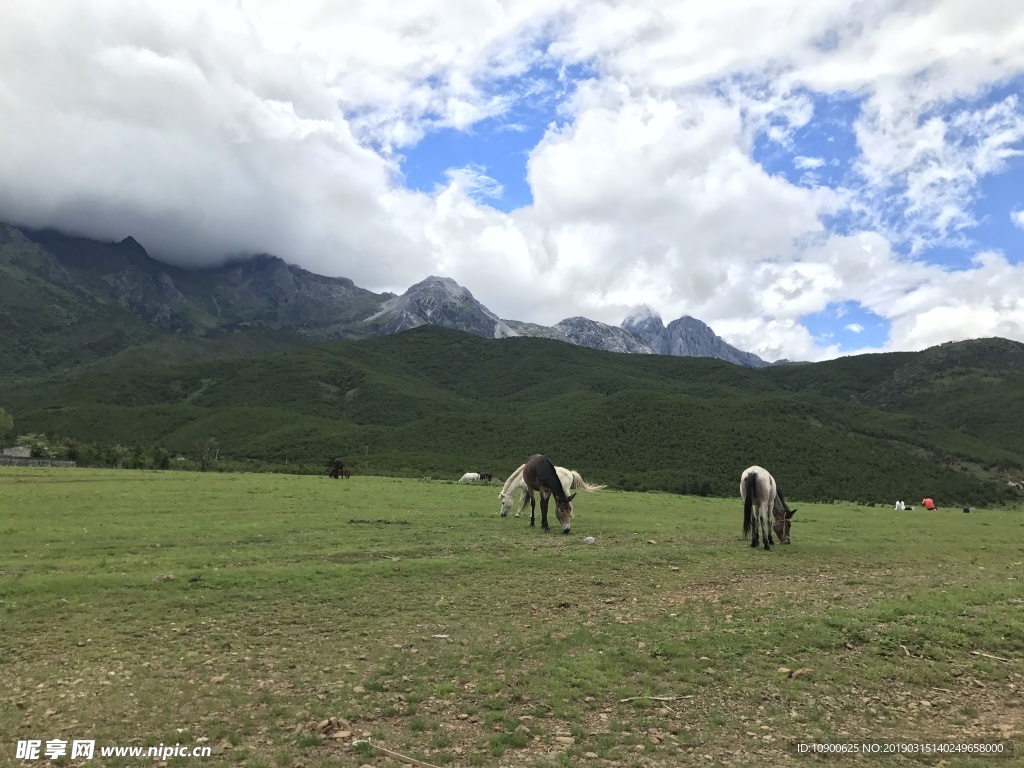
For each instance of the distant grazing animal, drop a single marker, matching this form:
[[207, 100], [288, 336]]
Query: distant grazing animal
[[758, 487], [338, 468], [469, 477], [540, 477], [570, 479], [346, 473], [486, 476]]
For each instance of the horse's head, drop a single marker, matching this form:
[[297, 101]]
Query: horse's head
[[506, 502], [783, 516], [563, 510]]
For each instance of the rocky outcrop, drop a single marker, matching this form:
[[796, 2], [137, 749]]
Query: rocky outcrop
[[686, 337], [153, 298], [584, 332], [438, 301]]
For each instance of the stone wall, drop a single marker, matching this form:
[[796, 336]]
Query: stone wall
[[17, 461]]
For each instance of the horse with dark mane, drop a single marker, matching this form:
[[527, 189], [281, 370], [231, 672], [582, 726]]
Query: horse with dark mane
[[758, 487], [486, 476], [540, 476], [570, 479]]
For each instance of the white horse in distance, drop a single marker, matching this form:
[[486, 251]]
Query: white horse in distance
[[470, 477]]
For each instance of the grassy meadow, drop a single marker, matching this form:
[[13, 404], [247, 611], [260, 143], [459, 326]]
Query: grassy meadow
[[281, 618]]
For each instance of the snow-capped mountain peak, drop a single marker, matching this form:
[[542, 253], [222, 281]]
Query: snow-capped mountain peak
[[641, 314]]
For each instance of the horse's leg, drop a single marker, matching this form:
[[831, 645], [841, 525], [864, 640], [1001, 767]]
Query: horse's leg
[[766, 530], [756, 514], [522, 504], [544, 510], [532, 507]]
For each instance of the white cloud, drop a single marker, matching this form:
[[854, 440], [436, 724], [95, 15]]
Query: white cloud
[[808, 163], [934, 165], [474, 181], [209, 129], [986, 299], [1017, 217], [854, 328]]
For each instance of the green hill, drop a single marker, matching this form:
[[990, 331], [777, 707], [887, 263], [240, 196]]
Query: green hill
[[437, 402], [972, 387]]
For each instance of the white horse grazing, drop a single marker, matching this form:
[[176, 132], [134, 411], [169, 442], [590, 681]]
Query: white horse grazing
[[569, 478], [757, 486], [470, 477]]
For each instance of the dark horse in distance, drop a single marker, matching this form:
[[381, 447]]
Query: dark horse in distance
[[338, 468], [540, 476]]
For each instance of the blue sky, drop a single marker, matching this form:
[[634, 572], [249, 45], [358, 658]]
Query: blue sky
[[497, 147], [847, 325]]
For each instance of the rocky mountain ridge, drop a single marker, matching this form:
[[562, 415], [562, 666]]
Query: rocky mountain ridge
[[113, 286]]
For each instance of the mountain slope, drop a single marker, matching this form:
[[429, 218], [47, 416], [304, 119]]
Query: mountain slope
[[49, 320], [973, 387], [68, 302], [260, 291]]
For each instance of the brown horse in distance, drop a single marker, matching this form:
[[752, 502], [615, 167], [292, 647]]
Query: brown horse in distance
[[540, 476]]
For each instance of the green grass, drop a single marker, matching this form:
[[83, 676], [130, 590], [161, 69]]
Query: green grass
[[462, 638]]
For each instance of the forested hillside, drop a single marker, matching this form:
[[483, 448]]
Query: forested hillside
[[436, 402]]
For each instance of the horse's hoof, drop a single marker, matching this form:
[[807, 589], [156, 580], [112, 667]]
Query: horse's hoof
[[753, 544]]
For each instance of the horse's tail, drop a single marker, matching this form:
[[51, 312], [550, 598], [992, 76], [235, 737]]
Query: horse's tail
[[583, 485], [512, 478], [748, 501]]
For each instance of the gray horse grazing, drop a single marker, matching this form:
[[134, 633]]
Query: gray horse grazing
[[758, 487], [540, 476]]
